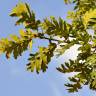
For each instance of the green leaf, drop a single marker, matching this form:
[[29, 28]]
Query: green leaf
[[19, 9]]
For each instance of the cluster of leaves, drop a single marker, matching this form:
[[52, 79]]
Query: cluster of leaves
[[55, 27], [26, 17], [17, 45], [40, 59], [83, 18]]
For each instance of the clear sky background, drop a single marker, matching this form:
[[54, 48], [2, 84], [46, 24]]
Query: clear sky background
[[14, 79]]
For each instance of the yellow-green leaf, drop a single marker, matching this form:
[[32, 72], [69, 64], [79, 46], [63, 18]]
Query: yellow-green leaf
[[30, 45]]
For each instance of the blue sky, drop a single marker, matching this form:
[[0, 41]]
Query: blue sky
[[14, 79]]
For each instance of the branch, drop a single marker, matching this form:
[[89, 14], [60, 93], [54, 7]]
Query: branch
[[41, 36]]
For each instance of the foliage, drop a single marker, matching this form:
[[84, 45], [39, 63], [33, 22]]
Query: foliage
[[40, 59], [83, 19]]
